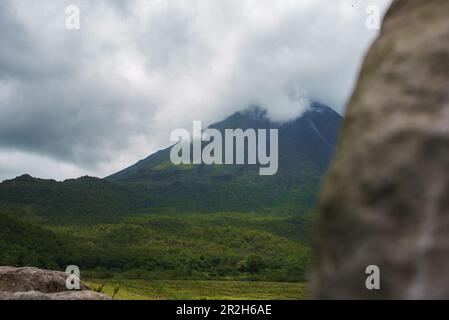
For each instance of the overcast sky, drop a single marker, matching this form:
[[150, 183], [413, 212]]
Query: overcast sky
[[95, 100]]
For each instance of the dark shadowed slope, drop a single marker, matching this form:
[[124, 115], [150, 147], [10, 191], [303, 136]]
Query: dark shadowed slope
[[156, 185], [306, 146]]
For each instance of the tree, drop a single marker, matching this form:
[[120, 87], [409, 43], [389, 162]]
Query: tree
[[254, 263]]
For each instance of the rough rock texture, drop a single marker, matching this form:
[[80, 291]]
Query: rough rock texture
[[66, 295], [37, 284], [26, 279], [386, 198]]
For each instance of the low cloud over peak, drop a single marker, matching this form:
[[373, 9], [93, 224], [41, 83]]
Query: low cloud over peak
[[94, 100]]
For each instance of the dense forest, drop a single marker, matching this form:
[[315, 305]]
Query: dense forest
[[191, 246]]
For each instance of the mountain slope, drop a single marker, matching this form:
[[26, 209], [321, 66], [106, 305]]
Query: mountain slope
[[306, 146], [22, 243], [93, 222], [155, 185]]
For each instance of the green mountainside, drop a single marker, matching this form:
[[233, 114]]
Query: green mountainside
[[26, 244], [155, 185], [155, 220], [306, 145]]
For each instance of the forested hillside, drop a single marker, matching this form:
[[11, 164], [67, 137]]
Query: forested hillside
[[155, 220]]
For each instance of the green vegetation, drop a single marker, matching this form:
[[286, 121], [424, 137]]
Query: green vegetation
[[25, 244], [191, 246], [200, 290], [155, 230], [162, 254], [220, 246]]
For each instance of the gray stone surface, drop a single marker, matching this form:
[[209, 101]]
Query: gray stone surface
[[65, 295], [386, 198], [37, 284], [26, 279]]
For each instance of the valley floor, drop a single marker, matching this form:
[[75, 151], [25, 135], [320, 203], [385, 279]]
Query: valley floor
[[200, 289]]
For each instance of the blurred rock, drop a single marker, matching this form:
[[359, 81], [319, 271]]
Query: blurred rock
[[385, 201]]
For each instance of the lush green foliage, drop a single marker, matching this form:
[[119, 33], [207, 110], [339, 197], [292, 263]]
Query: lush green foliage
[[24, 244], [188, 246], [214, 246], [138, 224]]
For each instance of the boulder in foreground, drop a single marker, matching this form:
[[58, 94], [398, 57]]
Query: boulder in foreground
[[37, 284], [385, 201]]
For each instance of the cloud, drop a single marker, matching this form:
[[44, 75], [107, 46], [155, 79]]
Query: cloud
[[98, 99]]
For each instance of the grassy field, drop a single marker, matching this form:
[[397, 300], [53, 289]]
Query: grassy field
[[200, 290]]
